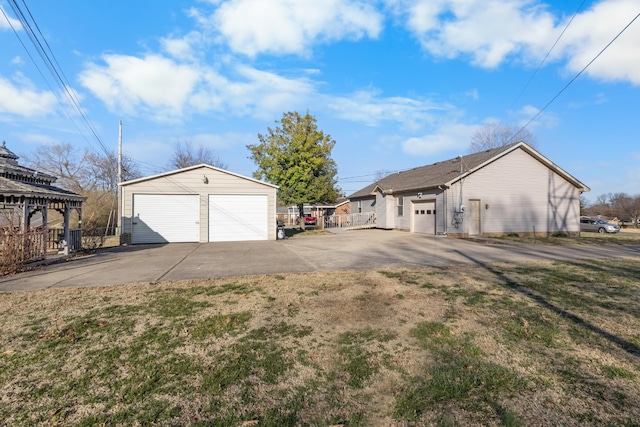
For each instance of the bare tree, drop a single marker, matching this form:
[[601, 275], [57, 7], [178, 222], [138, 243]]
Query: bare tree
[[626, 207], [382, 173], [494, 135], [601, 206], [90, 174], [185, 155], [63, 162]]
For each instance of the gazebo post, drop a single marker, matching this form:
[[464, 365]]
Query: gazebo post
[[67, 232], [79, 209], [45, 229], [25, 216]]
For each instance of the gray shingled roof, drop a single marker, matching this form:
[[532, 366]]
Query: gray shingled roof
[[10, 188], [446, 172], [10, 168]]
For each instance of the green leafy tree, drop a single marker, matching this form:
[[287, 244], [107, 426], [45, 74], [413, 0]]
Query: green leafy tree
[[296, 156]]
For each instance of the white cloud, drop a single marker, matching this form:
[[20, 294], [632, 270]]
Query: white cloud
[[168, 90], [24, 100], [592, 30], [524, 115], [185, 48], [154, 84], [268, 93], [37, 139], [4, 25], [279, 27], [486, 30], [491, 31], [448, 137], [369, 108]]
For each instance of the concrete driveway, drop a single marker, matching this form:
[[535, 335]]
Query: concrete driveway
[[361, 249]]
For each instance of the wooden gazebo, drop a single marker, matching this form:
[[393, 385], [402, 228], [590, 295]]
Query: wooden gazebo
[[26, 196]]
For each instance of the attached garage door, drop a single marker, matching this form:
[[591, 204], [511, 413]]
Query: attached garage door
[[424, 217], [160, 218], [238, 217]]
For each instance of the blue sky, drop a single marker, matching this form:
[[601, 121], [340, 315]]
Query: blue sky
[[397, 83]]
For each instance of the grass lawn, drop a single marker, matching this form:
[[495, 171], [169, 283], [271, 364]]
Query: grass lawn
[[546, 343]]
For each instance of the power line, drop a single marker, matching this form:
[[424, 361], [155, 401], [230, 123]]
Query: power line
[[548, 53], [53, 66], [579, 74]]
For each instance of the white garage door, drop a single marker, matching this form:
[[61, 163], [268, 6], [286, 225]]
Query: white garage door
[[424, 217], [161, 218], [238, 217]]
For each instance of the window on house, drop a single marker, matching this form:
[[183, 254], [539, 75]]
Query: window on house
[[400, 205], [359, 206]]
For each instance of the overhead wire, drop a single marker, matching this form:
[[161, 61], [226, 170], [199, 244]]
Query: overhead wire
[[579, 74], [38, 40], [533, 75]]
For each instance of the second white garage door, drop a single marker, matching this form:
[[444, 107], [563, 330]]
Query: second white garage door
[[238, 217]]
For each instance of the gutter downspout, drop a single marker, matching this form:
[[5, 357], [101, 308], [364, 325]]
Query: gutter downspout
[[446, 208]]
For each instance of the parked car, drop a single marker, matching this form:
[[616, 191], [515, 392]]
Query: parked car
[[598, 225], [308, 220]]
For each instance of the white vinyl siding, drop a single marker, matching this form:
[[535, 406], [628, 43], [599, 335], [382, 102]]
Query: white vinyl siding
[[519, 195], [192, 181], [165, 218], [238, 218]]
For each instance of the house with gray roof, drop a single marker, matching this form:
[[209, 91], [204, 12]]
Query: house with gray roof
[[507, 190]]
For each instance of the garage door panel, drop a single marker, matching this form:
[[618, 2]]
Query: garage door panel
[[161, 218], [424, 217], [238, 217]]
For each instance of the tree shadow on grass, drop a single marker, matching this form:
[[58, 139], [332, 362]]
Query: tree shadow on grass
[[625, 345]]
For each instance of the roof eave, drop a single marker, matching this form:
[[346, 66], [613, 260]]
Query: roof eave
[[189, 168]]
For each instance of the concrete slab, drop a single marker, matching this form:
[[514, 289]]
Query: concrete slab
[[361, 249]]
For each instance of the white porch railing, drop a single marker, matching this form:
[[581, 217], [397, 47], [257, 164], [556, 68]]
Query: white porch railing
[[351, 221]]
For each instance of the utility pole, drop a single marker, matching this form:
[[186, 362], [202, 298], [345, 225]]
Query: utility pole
[[119, 192]]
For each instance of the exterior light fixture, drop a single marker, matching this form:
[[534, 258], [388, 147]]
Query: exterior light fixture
[[205, 179]]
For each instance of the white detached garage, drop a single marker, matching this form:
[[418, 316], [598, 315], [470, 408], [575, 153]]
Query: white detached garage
[[197, 204]]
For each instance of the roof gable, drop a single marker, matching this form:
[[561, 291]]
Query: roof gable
[[190, 168], [445, 173]]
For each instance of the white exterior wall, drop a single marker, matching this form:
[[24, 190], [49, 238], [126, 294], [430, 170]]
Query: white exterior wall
[[368, 205], [518, 194], [191, 182], [404, 222]]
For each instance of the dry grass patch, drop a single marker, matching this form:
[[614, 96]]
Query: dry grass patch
[[545, 343]]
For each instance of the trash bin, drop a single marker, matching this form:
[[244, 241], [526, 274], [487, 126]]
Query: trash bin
[[280, 230]]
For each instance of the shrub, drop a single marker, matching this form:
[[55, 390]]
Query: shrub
[[18, 247]]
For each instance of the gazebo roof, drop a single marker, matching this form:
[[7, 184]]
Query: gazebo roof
[[19, 182], [10, 188]]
